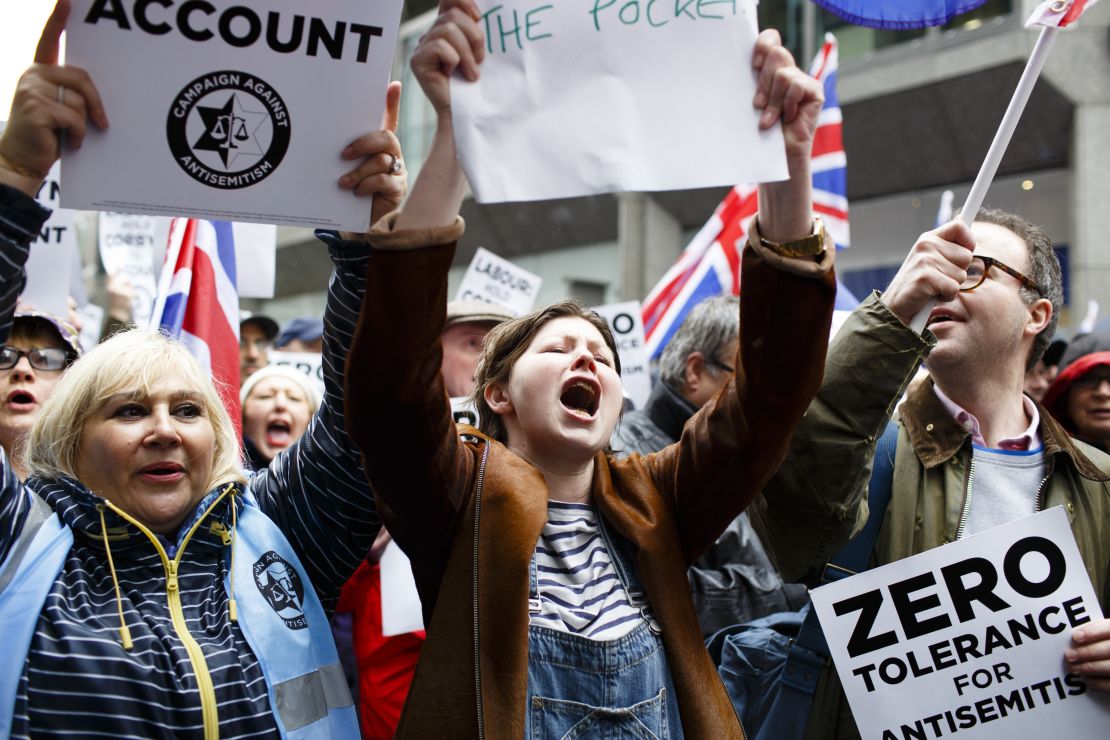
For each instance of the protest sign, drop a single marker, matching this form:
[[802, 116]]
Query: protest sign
[[128, 248], [498, 281], [968, 639], [53, 253], [627, 324], [255, 259], [223, 111], [400, 600], [613, 95], [309, 363]]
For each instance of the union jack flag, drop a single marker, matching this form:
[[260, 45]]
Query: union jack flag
[[198, 301], [710, 264]]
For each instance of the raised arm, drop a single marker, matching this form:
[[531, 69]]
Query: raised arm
[[316, 490], [48, 99], [733, 445], [818, 499]]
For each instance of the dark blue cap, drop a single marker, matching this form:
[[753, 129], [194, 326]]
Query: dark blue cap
[[304, 328]]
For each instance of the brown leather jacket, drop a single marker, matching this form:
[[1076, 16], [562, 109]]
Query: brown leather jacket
[[470, 554]]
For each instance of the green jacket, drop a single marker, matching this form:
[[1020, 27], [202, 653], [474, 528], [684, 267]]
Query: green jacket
[[870, 363]]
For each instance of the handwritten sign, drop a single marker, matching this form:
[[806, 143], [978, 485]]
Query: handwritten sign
[[309, 363], [224, 110], [968, 638], [613, 95], [53, 253], [128, 248], [498, 281], [626, 321]]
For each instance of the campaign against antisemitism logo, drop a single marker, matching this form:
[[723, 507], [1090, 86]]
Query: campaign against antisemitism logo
[[283, 588], [228, 129]]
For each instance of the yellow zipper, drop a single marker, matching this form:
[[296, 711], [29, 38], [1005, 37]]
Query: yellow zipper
[[173, 598]]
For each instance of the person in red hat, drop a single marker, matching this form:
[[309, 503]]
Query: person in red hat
[[1079, 398]]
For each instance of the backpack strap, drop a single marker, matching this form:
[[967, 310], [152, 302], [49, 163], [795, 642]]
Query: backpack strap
[[808, 651], [39, 513]]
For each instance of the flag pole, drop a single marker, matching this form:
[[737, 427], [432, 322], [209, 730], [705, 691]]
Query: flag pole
[[998, 147]]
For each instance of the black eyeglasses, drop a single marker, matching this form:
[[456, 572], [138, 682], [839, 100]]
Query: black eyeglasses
[[980, 266], [48, 358], [721, 366]]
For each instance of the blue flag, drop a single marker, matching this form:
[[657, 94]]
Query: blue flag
[[899, 14]]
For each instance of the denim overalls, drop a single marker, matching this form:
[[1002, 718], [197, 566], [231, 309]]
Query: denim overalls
[[604, 689]]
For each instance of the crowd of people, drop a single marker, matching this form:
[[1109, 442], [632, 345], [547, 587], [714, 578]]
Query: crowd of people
[[163, 576]]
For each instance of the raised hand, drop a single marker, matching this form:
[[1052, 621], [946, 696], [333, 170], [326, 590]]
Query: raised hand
[[933, 271], [381, 172], [454, 42], [48, 99]]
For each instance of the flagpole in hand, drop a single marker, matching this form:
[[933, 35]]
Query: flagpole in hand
[[1051, 15], [998, 147]]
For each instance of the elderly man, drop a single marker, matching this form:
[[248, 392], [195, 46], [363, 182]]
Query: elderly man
[[734, 581], [468, 322], [997, 312]]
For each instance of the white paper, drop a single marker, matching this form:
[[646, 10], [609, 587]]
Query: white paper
[[495, 280], [401, 612], [626, 321], [262, 129], [309, 363], [128, 248], [52, 254], [255, 259], [613, 95], [965, 694]]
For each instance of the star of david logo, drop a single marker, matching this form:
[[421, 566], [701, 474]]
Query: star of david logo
[[230, 131]]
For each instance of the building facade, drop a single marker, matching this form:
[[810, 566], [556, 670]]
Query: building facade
[[920, 109]]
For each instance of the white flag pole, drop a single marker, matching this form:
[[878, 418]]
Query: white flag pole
[[1001, 141]]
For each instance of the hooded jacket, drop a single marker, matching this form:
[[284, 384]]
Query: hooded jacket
[[469, 513], [77, 678]]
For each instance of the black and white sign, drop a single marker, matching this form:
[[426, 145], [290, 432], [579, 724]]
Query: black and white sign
[[626, 321], [53, 253], [968, 639], [229, 111], [495, 280]]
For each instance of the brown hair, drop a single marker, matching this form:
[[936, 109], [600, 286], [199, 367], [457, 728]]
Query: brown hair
[[505, 344], [1044, 270]]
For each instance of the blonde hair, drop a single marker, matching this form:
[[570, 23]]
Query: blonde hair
[[130, 360]]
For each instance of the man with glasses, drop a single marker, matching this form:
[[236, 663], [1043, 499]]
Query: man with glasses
[[733, 581], [40, 347], [973, 451], [256, 337]]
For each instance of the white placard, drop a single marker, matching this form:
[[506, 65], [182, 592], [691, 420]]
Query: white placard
[[230, 111], [463, 411], [968, 639], [309, 363], [626, 321], [496, 280], [613, 95], [92, 318], [128, 248], [401, 612], [52, 253], [255, 259]]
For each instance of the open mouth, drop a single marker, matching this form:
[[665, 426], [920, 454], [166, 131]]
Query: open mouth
[[21, 399], [580, 397], [941, 316], [163, 471], [279, 434]]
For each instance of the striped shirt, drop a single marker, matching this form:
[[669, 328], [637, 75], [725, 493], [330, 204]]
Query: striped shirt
[[579, 589], [77, 680]]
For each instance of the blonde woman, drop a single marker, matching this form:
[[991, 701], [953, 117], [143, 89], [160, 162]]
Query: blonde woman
[[553, 576], [148, 588]]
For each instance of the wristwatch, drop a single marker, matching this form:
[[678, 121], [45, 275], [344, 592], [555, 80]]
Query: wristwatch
[[813, 246]]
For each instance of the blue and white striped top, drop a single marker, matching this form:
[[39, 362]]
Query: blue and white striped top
[[579, 590]]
